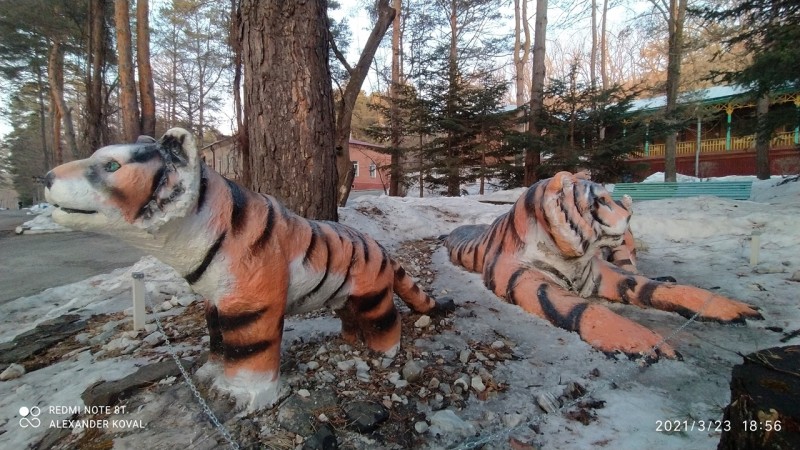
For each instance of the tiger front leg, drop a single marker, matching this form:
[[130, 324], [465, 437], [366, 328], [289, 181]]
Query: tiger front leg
[[250, 353], [597, 325], [616, 285]]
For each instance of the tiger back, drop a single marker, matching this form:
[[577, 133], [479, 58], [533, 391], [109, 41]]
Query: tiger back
[[253, 260]]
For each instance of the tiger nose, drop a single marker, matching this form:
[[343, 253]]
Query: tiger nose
[[48, 179]]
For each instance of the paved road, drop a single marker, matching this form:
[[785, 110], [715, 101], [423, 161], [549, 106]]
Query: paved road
[[32, 263]]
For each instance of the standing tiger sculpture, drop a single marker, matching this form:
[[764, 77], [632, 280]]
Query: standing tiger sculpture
[[249, 257], [553, 248]]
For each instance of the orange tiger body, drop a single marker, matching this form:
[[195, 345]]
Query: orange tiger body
[[252, 259], [553, 248]]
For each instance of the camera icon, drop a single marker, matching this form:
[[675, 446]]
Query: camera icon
[[32, 412]]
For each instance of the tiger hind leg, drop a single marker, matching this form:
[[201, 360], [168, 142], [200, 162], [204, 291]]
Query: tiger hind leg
[[597, 325], [213, 367], [372, 317]]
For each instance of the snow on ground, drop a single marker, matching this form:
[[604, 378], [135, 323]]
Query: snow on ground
[[42, 223], [702, 241]]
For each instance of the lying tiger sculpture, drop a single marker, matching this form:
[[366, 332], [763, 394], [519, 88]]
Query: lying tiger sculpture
[[552, 248], [253, 260]]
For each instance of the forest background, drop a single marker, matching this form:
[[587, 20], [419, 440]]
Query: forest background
[[456, 91]]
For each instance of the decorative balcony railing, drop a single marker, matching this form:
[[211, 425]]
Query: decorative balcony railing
[[720, 145]]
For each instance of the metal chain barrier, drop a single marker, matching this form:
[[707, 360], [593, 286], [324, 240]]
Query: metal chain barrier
[[171, 350]]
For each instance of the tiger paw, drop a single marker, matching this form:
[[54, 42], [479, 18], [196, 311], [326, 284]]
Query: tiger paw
[[444, 306], [251, 392], [725, 310], [689, 300], [611, 333]]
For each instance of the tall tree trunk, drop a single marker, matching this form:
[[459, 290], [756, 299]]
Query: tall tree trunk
[[533, 154], [289, 104], [346, 105], [129, 106], [146, 89], [453, 160], [94, 77], [241, 142], [604, 47], [522, 49], [63, 113], [593, 53], [395, 172], [603, 57], [40, 87], [675, 21], [763, 135]]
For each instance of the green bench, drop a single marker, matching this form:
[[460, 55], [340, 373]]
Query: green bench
[[734, 190]]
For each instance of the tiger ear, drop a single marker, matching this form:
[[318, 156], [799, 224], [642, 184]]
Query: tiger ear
[[178, 146]]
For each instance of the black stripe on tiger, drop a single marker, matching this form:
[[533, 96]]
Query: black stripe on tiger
[[569, 322], [386, 321], [512, 284], [201, 194], [368, 302], [263, 239], [214, 332], [238, 206], [197, 273], [312, 244], [231, 322], [238, 352]]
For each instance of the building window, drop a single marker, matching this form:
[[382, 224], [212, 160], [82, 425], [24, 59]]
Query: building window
[[373, 170], [355, 169]]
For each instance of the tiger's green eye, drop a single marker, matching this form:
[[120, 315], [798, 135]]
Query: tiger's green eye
[[112, 166]]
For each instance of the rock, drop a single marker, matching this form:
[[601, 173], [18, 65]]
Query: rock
[[186, 300], [412, 371], [573, 390], [304, 393], [106, 393], [312, 365], [40, 338], [446, 421], [345, 366], [362, 370], [166, 306], [766, 269], [298, 414], [548, 402], [154, 338], [323, 439], [795, 276], [365, 416], [512, 420], [150, 327], [421, 427], [433, 383], [174, 300], [481, 357], [423, 322], [12, 371], [477, 384]]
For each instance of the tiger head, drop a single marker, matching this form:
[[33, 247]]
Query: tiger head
[[580, 216], [132, 187]]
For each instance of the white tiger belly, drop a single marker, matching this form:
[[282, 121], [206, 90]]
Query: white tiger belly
[[310, 289]]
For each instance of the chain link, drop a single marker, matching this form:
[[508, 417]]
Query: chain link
[[171, 350]]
